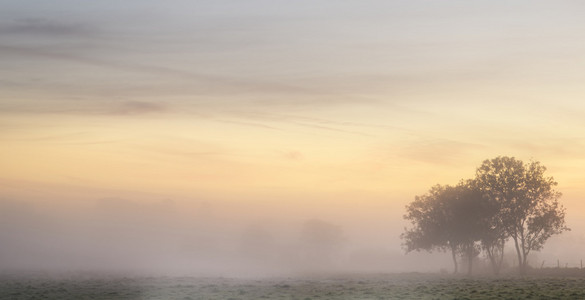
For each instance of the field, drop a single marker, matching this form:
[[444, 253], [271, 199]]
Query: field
[[388, 286]]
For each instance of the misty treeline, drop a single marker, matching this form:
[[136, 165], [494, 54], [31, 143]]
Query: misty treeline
[[162, 237], [507, 201]]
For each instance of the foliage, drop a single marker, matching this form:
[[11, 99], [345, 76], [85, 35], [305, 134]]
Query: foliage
[[446, 218], [529, 211]]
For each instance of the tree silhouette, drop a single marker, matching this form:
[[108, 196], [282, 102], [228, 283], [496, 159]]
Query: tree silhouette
[[507, 199], [447, 218], [428, 230], [528, 207], [467, 208]]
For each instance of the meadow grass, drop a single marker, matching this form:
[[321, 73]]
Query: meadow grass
[[543, 285]]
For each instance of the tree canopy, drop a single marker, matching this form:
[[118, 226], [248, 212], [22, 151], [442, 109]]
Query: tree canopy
[[447, 218], [529, 210]]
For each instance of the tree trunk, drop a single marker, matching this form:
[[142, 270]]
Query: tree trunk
[[525, 262], [469, 259], [495, 253], [524, 253], [494, 264], [454, 255], [501, 258], [520, 257], [490, 254]]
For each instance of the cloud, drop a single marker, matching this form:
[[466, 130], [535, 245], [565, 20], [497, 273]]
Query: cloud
[[46, 27], [557, 147], [321, 127], [54, 137], [162, 79], [207, 83], [340, 126], [314, 123], [139, 107], [437, 151], [294, 119], [258, 125], [293, 155]]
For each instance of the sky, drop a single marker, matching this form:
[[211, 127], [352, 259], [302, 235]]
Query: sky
[[195, 120]]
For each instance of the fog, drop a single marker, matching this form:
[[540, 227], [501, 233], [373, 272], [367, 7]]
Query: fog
[[207, 238], [220, 238]]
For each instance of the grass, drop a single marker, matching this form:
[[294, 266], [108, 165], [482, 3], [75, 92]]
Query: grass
[[384, 286]]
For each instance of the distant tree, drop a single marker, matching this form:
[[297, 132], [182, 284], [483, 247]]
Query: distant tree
[[321, 241], [527, 205]]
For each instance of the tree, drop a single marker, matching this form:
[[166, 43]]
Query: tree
[[493, 239], [528, 210], [491, 231], [321, 242], [466, 206], [427, 232], [447, 218]]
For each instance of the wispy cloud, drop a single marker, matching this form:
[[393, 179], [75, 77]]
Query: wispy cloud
[[98, 107], [565, 148], [291, 118], [293, 155], [321, 127], [323, 124], [51, 138], [138, 107], [74, 138], [217, 84], [40, 27], [437, 151], [258, 125]]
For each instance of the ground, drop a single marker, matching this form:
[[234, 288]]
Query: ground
[[381, 286]]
